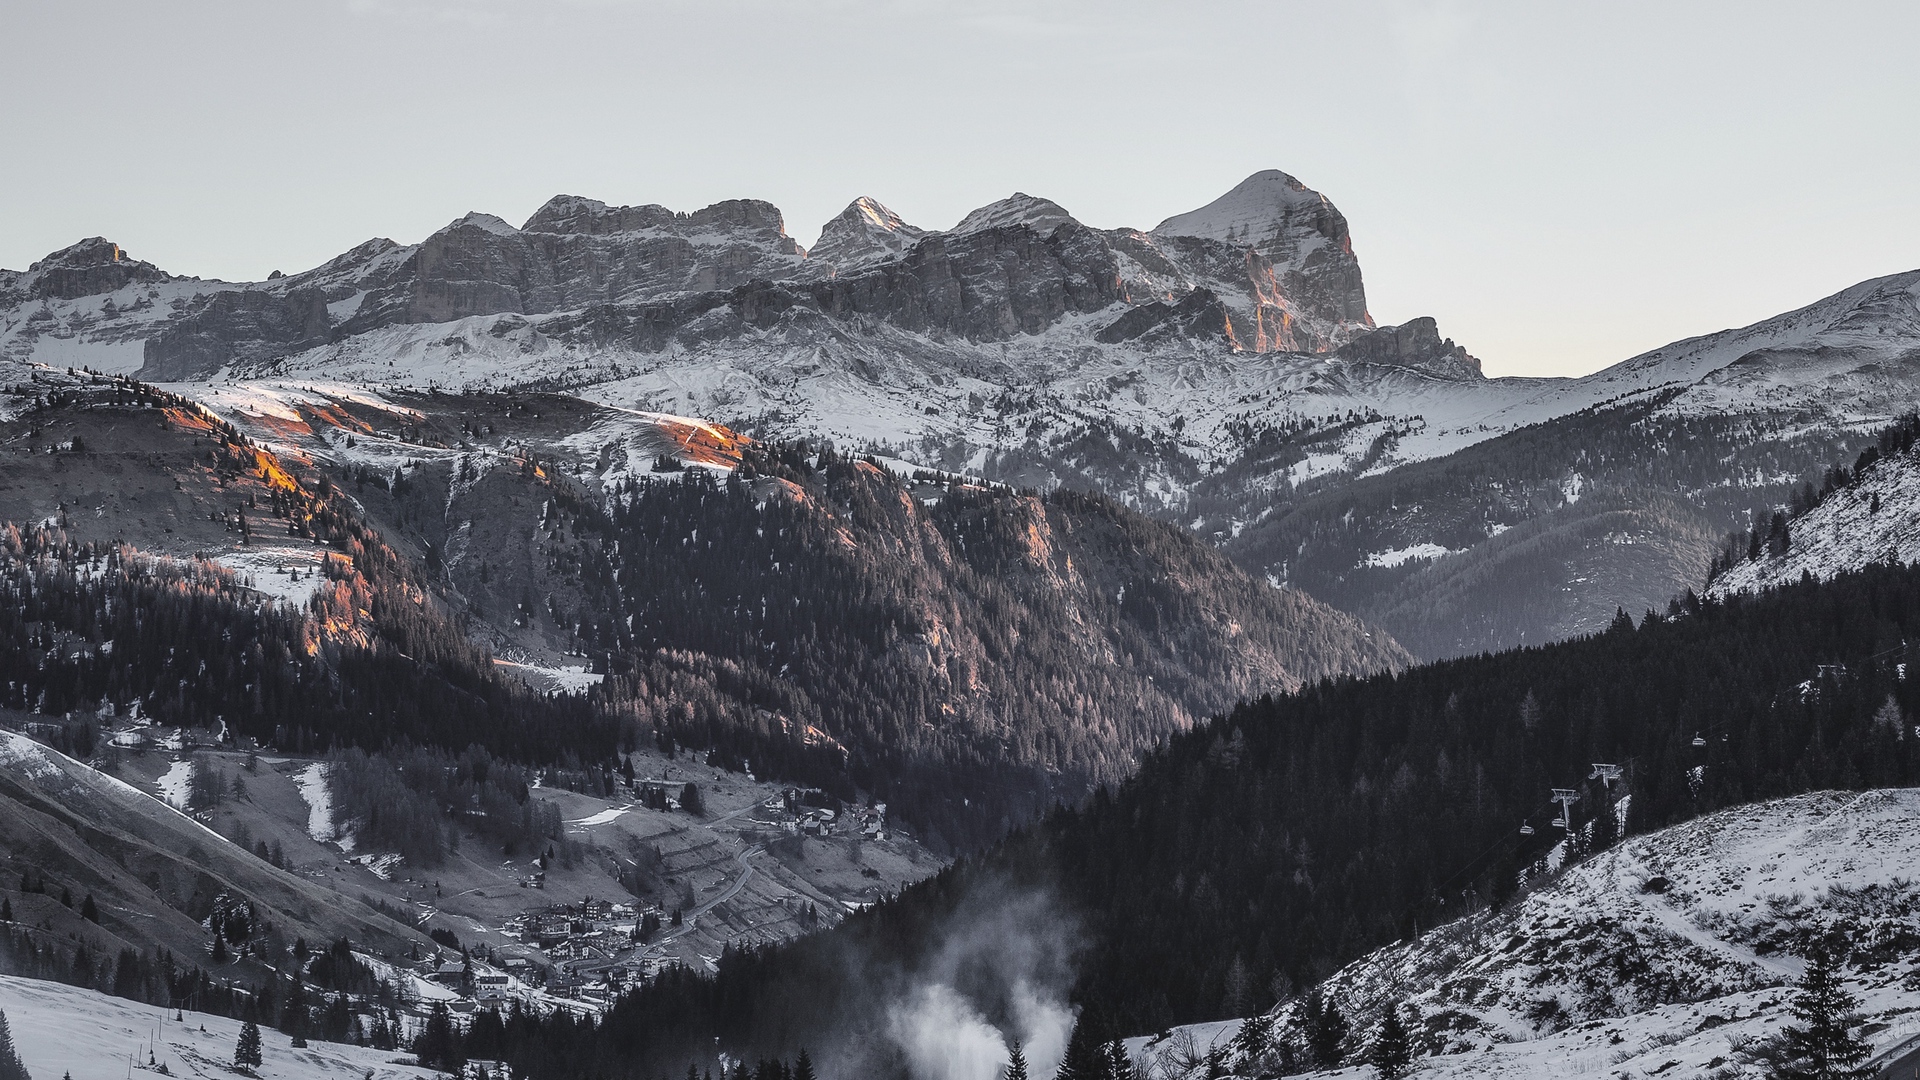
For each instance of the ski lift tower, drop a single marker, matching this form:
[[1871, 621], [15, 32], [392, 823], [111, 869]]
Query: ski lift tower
[[1606, 774], [1566, 797]]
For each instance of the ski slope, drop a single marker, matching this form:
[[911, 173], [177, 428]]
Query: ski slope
[[61, 1030]]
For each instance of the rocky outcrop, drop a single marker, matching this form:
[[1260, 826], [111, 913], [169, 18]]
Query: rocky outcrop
[[93, 267], [1415, 344], [1199, 315], [986, 285]]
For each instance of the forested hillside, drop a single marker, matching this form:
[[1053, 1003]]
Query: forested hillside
[[938, 644], [1256, 854], [966, 654]]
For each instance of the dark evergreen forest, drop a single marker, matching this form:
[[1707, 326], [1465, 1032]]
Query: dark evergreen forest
[[1260, 852]]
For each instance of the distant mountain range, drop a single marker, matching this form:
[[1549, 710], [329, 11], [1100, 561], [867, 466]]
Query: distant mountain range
[[1220, 371]]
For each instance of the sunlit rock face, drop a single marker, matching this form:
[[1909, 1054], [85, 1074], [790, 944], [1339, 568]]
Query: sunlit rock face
[[1294, 254]]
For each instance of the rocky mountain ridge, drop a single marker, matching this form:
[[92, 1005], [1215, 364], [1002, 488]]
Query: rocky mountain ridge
[[1219, 371]]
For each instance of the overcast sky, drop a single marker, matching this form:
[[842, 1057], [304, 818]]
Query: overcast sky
[[1561, 185]]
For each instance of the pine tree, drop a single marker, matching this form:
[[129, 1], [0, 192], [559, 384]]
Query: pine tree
[[89, 911], [11, 1068], [803, 1066], [1086, 1054], [1239, 989], [1252, 1043], [1390, 1052], [247, 1051], [6, 910], [438, 1045], [1821, 1046], [1016, 1063], [1326, 1031]]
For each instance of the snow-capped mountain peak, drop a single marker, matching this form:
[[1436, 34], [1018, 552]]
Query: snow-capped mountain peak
[[487, 222], [866, 232], [1041, 215], [878, 216], [1257, 210]]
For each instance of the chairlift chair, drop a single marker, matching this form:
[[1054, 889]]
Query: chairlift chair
[[1526, 830], [1559, 823], [1699, 740]]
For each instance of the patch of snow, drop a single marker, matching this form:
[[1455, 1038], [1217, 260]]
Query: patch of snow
[[1252, 212], [175, 785], [270, 572], [571, 680], [601, 818], [381, 865], [312, 782], [1401, 556], [26, 758]]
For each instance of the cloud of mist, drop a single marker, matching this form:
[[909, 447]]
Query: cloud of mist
[[997, 972], [944, 1037]]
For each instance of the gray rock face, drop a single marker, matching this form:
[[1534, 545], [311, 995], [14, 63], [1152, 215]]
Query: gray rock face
[[1415, 344], [238, 326], [574, 253], [1200, 314]]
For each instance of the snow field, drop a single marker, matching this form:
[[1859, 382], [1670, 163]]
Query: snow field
[[61, 1029]]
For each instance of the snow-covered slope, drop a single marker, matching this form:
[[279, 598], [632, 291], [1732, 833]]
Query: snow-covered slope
[[63, 1030], [1875, 520], [1668, 953]]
